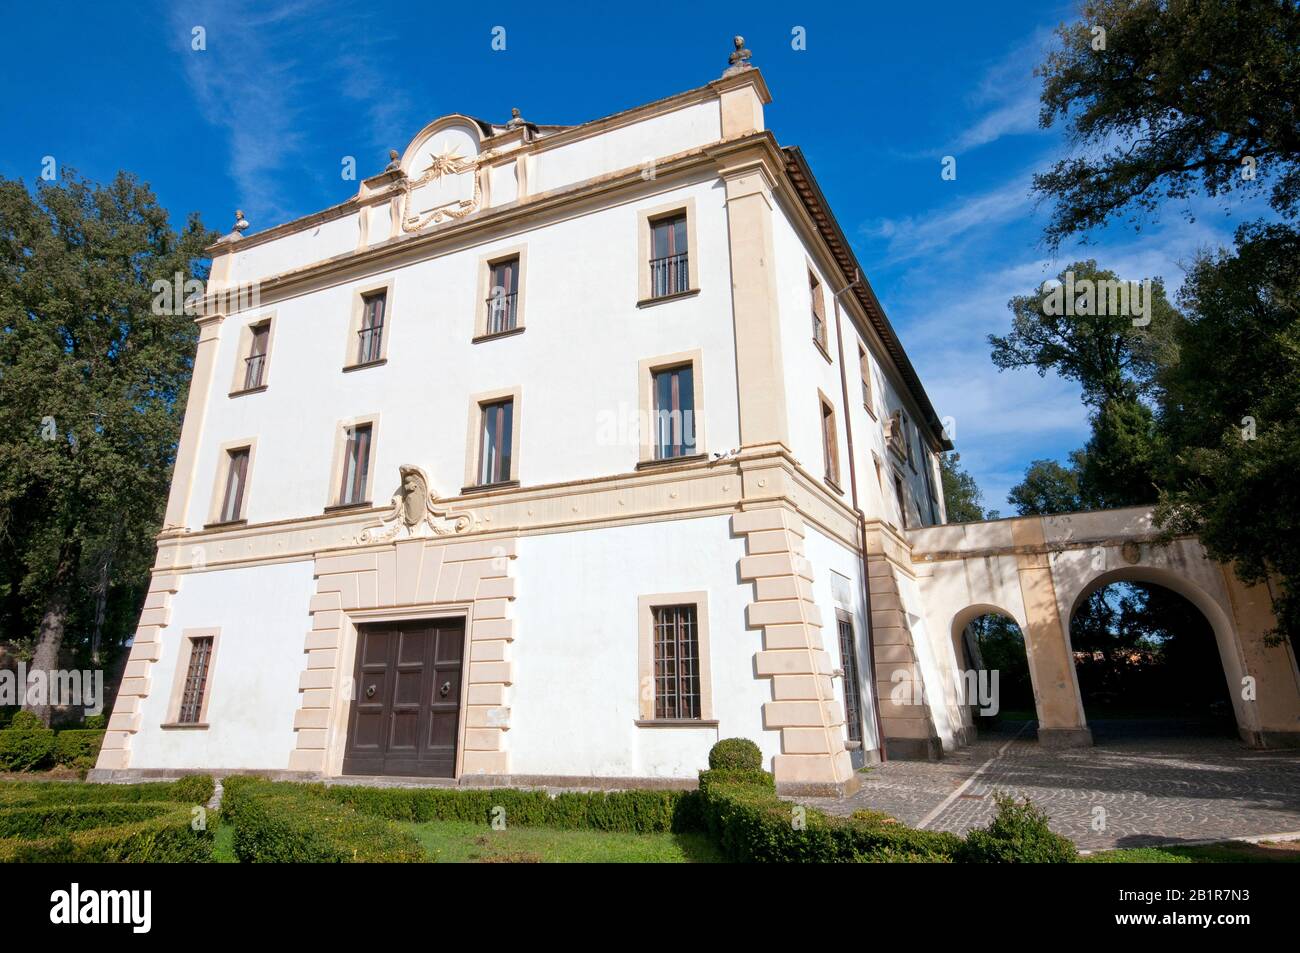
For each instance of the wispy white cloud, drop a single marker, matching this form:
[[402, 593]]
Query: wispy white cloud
[[915, 236], [268, 76]]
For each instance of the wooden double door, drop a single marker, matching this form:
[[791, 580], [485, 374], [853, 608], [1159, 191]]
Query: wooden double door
[[405, 716]]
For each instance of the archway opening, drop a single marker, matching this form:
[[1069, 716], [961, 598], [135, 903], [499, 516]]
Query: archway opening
[[999, 691], [1148, 664]]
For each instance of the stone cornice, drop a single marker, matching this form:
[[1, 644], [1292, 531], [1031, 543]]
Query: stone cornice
[[706, 488]]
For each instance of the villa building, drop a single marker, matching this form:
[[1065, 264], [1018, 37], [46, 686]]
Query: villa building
[[555, 455]]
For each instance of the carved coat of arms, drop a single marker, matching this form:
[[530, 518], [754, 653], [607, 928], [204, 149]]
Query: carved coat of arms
[[415, 513]]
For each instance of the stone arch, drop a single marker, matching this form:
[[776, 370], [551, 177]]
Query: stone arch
[[956, 630], [1214, 606]]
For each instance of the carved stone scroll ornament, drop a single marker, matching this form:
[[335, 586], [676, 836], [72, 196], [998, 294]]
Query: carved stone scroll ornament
[[447, 162], [415, 514]]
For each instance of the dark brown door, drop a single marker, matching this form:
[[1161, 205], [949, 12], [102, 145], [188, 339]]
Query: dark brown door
[[406, 705]]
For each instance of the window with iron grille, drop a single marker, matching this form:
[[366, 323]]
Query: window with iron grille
[[674, 410], [356, 465], [852, 689], [255, 363], [669, 271], [371, 334], [677, 662], [232, 501], [196, 681], [818, 310], [503, 297], [495, 442]]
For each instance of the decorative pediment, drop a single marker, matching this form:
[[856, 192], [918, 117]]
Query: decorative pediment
[[415, 513]]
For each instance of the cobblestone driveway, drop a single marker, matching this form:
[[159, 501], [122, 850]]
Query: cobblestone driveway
[[1157, 788]]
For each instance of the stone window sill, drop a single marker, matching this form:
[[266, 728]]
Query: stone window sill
[[225, 524], [248, 390], [676, 296], [821, 349], [348, 368], [480, 338], [343, 507], [669, 461], [488, 487], [185, 726], [676, 723]]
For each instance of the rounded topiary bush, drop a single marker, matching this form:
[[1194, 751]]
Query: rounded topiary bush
[[1018, 835], [25, 721], [735, 754]]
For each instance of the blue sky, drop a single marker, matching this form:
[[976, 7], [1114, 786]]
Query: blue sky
[[262, 118]]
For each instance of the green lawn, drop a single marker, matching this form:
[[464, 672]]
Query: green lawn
[[1229, 852], [460, 842]]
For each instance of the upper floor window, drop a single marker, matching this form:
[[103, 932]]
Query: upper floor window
[[830, 446], [232, 500], [356, 465], [901, 495], [818, 311], [669, 264], [503, 296], [370, 336], [255, 363], [907, 441], [864, 368], [496, 442], [930, 491], [674, 411]]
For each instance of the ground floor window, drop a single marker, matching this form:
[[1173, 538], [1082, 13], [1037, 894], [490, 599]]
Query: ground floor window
[[676, 662], [196, 681], [852, 685]]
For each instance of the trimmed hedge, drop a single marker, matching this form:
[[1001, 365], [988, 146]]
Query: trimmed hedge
[[633, 812], [26, 749], [285, 823], [190, 790], [165, 837], [751, 824], [78, 747], [50, 820], [735, 754]]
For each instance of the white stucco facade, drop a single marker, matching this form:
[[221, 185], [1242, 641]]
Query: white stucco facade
[[552, 569]]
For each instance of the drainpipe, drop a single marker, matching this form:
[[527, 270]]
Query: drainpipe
[[862, 522]]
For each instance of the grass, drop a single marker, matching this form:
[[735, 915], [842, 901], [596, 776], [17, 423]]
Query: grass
[[1229, 852], [460, 842]]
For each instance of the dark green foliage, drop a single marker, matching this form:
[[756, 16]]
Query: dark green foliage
[[66, 822], [735, 754], [1018, 835], [26, 750], [25, 721], [1230, 412], [1181, 96], [94, 722], [78, 747], [50, 820], [963, 502], [191, 790], [751, 824], [278, 823], [93, 382], [133, 837], [1048, 487]]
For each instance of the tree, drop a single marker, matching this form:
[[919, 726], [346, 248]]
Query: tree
[[1088, 340], [1229, 413], [1122, 461], [1176, 95], [1049, 488], [962, 498], [92, 389]]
